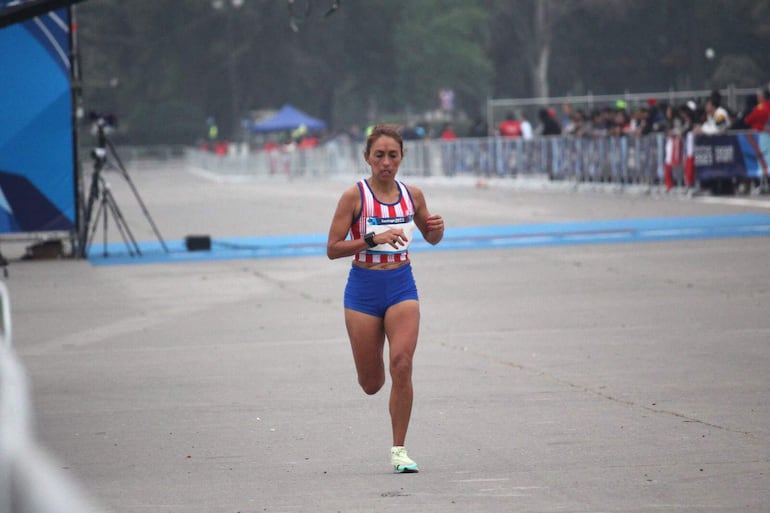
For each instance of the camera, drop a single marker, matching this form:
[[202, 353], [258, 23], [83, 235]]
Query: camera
[[102, 122]]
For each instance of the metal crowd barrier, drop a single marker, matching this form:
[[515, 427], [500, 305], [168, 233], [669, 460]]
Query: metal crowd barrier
[[617, 160], [637, 160], [30, 480], [622, 160]]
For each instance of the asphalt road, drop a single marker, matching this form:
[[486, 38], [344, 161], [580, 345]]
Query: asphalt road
[[617, 377]]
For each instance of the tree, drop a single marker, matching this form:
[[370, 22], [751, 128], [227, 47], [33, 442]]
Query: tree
[[442, 44], [530, 27], [164, 66]]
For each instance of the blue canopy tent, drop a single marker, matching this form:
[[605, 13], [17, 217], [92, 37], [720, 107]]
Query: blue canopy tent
[[288, 118]]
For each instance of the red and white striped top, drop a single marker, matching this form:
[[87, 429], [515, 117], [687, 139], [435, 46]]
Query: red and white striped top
[[376, 216]]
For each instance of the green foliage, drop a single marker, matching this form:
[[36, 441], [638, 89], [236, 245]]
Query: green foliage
[[442, 46], [164, 66]]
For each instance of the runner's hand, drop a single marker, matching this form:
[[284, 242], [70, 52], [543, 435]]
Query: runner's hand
[[393, 237], [435, 222]]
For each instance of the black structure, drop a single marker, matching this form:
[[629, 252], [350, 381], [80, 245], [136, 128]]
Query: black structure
[[100, 191], [29, 9]]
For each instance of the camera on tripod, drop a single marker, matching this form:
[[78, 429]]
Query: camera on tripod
[[102, 120], [101, 125], [100, 201]]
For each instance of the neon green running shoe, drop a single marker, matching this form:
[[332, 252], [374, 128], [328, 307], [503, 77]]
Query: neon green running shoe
[[401, 461]]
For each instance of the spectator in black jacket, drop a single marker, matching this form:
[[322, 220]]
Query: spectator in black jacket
[[548, 125]]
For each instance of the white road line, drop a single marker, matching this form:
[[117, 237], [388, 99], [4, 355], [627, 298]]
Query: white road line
[[734, 202]]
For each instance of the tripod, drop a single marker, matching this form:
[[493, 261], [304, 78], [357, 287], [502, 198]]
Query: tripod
[[108, 205], [100, 190]]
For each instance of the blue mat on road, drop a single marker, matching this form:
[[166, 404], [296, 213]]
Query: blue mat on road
[[472, 237]]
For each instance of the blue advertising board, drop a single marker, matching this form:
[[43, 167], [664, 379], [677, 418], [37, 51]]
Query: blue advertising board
[[37, 140], [739, 156]]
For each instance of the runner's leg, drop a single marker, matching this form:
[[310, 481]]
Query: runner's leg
[[367, 340], [402, 324]]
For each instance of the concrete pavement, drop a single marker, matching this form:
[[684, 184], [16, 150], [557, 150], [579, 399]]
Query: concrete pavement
[[577, 378]]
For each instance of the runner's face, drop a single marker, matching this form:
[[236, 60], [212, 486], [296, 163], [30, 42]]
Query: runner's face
[[384, 157]]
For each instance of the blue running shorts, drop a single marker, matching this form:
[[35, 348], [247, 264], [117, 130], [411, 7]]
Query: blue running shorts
[[373, 292]]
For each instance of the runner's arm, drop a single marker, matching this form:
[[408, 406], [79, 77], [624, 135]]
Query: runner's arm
[[431, 225]]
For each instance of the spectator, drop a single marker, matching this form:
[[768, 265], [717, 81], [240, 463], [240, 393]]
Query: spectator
[[287, 149], [620, 124], [657, 119], [717, 119], [478, 128], [447, 133], [578, 126], [270, 145], [355, 133], [413, 132], [639, 120], [548, 125], [670, 114], [307, 142], [759, 115], [608, 118], [566, 118], [685, 115], [509, 127], [526, 126], [689, 146], [568, 126], [221, 147], [598, 126], [738, 119]]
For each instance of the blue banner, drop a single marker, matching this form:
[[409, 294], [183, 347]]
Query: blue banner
[[731, 156], [37, 164]]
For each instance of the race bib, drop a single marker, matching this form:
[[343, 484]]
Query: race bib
[[383, 224]]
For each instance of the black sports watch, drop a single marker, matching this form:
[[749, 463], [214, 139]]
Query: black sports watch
[[369, 239]]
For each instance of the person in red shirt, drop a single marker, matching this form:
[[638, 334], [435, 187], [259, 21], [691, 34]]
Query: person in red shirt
[[509, 127], [759, 115], [308, 142], [448, 134]]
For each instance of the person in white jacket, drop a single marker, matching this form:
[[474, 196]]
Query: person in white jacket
[[717, 117]]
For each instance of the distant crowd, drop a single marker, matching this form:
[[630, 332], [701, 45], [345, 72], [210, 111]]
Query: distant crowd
[[707, 117], [699, 116]]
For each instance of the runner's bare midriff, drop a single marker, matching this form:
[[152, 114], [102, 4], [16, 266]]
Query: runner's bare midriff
[[381, 266]]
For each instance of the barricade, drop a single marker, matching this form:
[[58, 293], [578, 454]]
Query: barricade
[[654, 159], [609, 159], [30, 481]]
